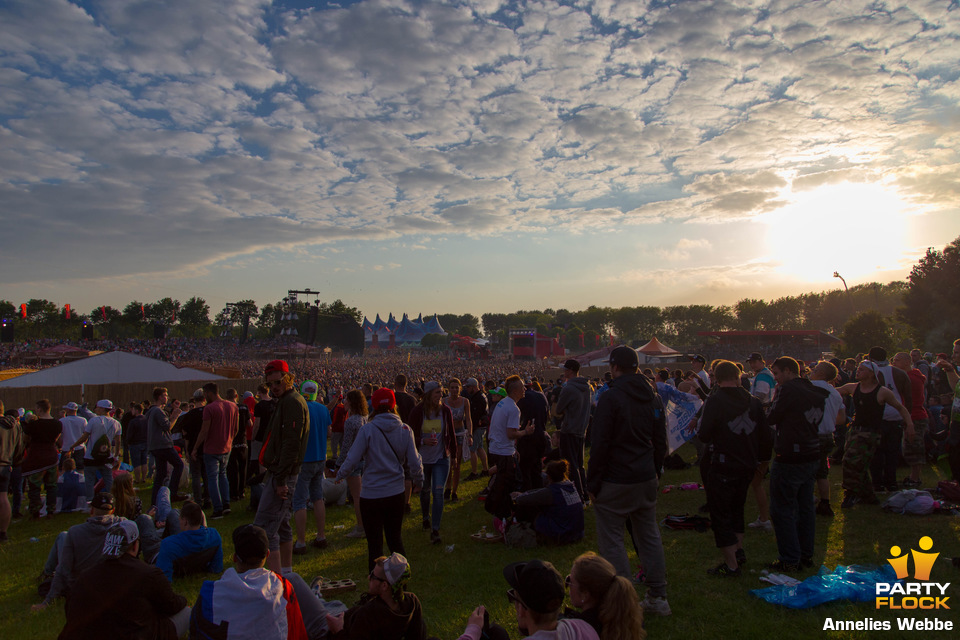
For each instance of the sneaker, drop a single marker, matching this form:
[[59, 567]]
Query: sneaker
[[824, 509], [226, 510], [741, 558], [849, 500], [765, 525], [723, 571], [453, 498], [426, 524], [356, 532], [217, 515], [435, 537], [320, 543], [472, 476], [779, 566], [655, 606], [299, 549], [446, 494]]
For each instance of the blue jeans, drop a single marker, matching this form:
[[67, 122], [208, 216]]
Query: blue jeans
[[164, 457], [792, 509], [434, 474], [217, 484], [90, 479]]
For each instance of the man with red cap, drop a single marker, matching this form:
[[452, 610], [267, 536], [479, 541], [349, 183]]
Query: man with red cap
[[284, 445]]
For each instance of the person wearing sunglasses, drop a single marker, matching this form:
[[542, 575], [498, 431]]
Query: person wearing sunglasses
[[386, 610]]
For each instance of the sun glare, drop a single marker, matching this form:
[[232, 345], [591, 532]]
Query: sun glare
[[854, 229]]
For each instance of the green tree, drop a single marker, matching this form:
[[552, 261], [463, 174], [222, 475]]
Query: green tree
[[750, 314], [864, 330], [8, 310], [194, 317], [632, 323], [931, 300]]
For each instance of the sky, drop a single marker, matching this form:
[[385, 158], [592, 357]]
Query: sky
[[472, 156]]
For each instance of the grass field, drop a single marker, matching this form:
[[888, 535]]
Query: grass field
[[451, 584]]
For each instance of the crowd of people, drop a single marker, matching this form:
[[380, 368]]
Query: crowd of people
[[382, 432]]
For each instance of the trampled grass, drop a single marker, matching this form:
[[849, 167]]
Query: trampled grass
[[451, 583]]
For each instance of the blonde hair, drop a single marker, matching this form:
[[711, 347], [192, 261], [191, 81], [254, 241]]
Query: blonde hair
[[621, 616]]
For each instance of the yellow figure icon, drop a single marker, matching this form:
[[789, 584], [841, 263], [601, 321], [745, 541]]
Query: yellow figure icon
[[899, 564], [923, 562]]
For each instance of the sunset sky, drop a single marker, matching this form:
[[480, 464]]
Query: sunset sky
[[472, 156]]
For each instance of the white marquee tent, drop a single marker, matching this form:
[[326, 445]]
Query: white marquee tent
[[114, 367]]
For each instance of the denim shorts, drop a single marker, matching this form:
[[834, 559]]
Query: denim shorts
[[138, 454], [309, 485], [477, 443]]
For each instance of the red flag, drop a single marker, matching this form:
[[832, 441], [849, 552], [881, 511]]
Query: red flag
[[103, 312], [23, 311], [67, 309], [598, 339], [143, 314], [581, 339], [611, 339], [173, 318]]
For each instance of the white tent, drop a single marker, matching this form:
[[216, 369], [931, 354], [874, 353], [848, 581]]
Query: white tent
[[114, 367]]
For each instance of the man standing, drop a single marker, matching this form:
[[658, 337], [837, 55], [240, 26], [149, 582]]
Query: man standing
[[761, 387], [762, 383], [573, 406], [697, 364], [190, 425], [823, 375], [914, 451], [953, 439], [883, 469], [102, 437], [533, 408], [40, 461], [72, 426], [160, 423], [285, 443], [237, 464], [504, 432], [11, 449], [405, 401], [480, 418], [310, 481], [629, 443], [796, 413], [220, 424]]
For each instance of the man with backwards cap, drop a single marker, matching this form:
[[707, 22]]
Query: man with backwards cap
[[72, 430], [310, 481], [629, 444], [123, 597], [284, 445], [537, 592], [100, 431]]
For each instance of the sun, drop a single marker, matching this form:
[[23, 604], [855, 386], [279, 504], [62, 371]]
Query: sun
[[856, 229]]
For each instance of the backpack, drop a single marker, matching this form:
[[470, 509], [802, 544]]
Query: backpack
[[100, 452], [911, 502]]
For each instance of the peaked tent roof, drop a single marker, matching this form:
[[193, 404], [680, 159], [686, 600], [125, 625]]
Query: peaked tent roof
[[392, 323], [657, 348], [433, 325], [113, 367]]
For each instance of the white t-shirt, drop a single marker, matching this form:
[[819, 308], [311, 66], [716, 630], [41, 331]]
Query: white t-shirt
[[73, 427], [96, 427], [506, 415], [830, 409], [703, 375]]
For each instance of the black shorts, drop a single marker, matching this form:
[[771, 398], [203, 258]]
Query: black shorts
[[5, 478]]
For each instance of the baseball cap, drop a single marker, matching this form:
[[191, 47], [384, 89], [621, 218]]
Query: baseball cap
[[250, 543], [430, 386], [394, 567], [102, 500], [877, 354], [698, 358], [624, 358], [248, 394], [572, 364], [310, 389], [120, 537], [198, 394], [276, 365], [383, 397], [538, 584], [756, 355], [71, 406], [104, 404]]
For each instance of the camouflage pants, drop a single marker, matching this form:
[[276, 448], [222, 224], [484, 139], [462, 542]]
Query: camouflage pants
[[861, 445]]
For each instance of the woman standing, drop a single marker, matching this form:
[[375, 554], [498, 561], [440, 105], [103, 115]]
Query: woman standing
[[356, 407], [463, 428], [432, 425], [386, 446]]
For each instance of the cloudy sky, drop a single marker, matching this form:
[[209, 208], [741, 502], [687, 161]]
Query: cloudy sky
[[472, 155]]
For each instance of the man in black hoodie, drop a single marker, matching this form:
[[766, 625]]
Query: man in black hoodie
[[734, 428], [629, 443], [796, 412]]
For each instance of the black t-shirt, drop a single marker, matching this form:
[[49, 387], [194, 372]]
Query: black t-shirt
[[137, 430], [405, 404], [190, 425], [243, 414], [263, 410]]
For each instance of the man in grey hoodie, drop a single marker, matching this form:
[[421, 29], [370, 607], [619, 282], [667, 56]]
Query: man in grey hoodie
[[78, 549], [574, 407]]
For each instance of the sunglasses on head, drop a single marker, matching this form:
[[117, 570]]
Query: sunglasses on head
[[515, 598]]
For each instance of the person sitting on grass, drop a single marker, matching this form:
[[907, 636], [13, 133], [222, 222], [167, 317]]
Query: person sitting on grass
[[252, 602], [556, 510], [77, 550], [196, 548], [139, 602], [607, 601], [537, 594], [70, 488], [386, 610]]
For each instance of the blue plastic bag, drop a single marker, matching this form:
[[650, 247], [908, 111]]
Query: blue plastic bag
[[856, 583]]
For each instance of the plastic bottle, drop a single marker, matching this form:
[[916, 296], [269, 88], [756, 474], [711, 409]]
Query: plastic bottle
[[668, 488]]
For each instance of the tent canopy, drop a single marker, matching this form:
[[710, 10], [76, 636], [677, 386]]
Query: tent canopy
[[113, 367], [657, 348]]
